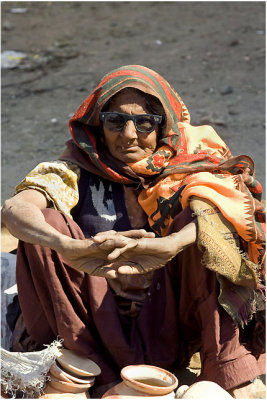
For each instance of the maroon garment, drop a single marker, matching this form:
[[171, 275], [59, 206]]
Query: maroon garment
[[181, 314]]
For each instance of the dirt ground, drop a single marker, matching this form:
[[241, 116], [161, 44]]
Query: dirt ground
[[213, 53]]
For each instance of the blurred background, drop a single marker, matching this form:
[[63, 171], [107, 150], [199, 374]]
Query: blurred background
[[54, 53]]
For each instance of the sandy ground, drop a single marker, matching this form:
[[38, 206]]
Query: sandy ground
[[213, 53]]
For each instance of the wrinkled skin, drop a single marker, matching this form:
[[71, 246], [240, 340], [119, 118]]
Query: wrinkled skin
[[129, 145]]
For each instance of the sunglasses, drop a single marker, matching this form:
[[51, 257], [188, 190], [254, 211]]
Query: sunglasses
[[144, 123]]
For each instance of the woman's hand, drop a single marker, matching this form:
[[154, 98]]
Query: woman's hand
[[84, 255], [133, 233], [135, 256], [139, 256], [90, 257]]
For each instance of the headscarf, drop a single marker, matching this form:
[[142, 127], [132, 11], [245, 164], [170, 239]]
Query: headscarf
[[189, 161]]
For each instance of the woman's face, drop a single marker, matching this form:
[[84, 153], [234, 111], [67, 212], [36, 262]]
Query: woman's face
[[129, 145]]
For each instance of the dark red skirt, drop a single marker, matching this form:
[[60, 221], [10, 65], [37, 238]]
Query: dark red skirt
[[181, 314]]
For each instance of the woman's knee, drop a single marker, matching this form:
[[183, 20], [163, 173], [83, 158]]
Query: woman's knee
[[51, 213], [62, 223], [54, 217]]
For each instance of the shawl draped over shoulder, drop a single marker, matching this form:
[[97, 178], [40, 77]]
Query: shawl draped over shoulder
[[191, 166]]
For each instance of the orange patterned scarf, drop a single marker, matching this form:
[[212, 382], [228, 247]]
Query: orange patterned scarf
[[190, 160]]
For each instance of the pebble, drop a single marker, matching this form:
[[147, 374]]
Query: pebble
[[53, 120], [233, 112], [226, 90], [208, 90], [7, 26], [158, 42], [234, 42], [18, 10], [11, 59]]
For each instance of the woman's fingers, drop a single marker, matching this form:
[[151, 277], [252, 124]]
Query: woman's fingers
[[117, 252], [107, 271], [110, 274], [138, 234], [110, 243], [106, 237], [112, 270], [111, 232], [116, 244], [132, 234], [131, 269], [102, 238]]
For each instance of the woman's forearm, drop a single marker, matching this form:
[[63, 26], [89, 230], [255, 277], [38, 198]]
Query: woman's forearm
[[25, 221]]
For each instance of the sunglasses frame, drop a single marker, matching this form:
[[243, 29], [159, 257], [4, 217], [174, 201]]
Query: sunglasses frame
[[127, 117]]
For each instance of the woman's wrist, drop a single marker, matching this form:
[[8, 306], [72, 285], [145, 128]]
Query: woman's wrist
[[185, 237], [67, 245]]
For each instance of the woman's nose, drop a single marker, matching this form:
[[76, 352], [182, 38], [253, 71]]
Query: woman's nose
[[129, 131]]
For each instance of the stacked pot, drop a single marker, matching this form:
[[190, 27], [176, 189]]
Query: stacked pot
[[71, 376]]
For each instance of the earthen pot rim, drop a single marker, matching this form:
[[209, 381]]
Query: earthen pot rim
[[146, 388]]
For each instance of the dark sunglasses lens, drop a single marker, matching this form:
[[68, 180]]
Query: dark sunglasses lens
[[114, 122], [145, 123]]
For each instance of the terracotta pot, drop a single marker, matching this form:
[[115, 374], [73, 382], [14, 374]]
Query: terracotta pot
[[68, 387], [122, 391], [79, 365], [149, 379], [203, 390], [51, 393], [61, 374], [58, 373]]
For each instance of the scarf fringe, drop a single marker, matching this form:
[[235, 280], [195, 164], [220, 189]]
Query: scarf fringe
[[244, 256], [26, 373]]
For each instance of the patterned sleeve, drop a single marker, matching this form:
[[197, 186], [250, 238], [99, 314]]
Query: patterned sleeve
[[58, 180]]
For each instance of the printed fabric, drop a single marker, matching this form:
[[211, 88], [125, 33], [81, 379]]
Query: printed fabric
[[58, 181]]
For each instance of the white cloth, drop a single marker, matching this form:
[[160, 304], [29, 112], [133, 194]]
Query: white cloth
[[27, 372]]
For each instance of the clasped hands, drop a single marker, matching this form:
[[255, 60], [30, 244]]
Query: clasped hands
[[109, 254]]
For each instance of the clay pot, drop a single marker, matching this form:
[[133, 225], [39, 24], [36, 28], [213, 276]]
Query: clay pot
[[122, 391], [51, 393], [202, 390], [58, 373], [78, 365], [149, 379], [61, 374], [68, 387], [71, 375]]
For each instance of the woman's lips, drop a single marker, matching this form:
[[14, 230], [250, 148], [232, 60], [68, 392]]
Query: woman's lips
[[127, 148]]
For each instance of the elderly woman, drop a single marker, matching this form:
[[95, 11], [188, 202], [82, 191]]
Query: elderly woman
[[144, 242]]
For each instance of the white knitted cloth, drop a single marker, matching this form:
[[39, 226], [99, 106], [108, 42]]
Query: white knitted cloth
[[27, 372]]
